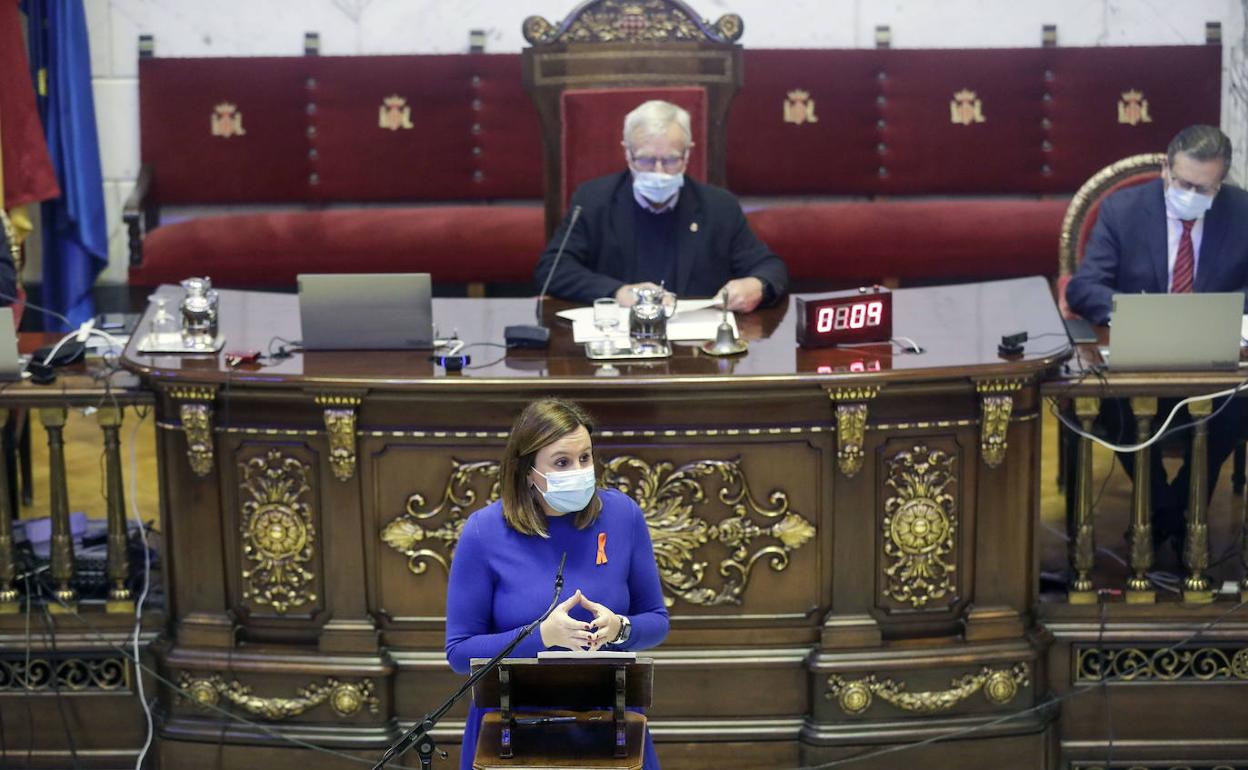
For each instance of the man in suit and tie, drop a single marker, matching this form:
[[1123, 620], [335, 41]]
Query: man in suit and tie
[[653, 225], [1184, 232]]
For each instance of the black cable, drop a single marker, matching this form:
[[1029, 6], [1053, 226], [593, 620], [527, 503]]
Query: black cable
[[26, 687], [1102, 664], [50, 627], [1046, 704], [498, 360], [177, 690]]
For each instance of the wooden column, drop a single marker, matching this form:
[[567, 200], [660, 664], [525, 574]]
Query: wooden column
[[1139, 590], [119, 596], [1196, 545], [1083, 544], [8, 569], [53, 419]]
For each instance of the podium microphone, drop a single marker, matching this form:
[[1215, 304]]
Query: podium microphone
[[525, 336], [421, 733]]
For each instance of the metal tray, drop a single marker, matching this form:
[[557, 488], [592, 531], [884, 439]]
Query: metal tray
[[635, 352]]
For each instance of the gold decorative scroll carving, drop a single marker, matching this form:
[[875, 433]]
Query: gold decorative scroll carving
[[408, 534], [196, 414], [1134, 664], [345, 698], [278, 534], [74, 674], [633, 21], [667, 495], [340, 427], [851, 425], [920, 526], [996, 406], [999, 686]]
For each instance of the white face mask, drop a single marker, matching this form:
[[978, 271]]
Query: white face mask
[[1187, 204], [656, 186], [569, 491]]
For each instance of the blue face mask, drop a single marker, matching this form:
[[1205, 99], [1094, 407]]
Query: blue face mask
[[657, 187], [569, 491]]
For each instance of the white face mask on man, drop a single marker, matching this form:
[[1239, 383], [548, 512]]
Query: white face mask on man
[[1187, 204], [656, 186]]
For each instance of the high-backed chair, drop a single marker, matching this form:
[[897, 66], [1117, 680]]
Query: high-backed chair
[[588, 71], [1083, 209]]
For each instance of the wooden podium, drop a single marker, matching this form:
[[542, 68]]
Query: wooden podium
[[564, 713]]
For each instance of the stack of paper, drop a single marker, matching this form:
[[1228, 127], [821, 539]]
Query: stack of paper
[[695, 320]]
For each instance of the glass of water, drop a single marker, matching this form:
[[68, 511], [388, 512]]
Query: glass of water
[[606, 319]]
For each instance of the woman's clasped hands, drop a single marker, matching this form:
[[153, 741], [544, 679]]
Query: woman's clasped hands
[[563, 630]]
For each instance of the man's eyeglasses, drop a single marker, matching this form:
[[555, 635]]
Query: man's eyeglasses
[[670, 164], [1183, 184]]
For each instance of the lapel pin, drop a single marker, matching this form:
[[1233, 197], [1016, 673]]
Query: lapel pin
[[602, 549], [693, 227]]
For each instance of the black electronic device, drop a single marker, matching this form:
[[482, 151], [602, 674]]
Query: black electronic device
[[845, 318], [538, 336], [1012, 345], [69, 353]]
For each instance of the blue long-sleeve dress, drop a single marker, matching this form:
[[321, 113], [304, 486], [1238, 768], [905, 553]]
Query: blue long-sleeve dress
[[501, 580]]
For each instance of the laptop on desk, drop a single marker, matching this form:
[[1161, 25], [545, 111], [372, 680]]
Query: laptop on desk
[[366, 311], [1175, 332]]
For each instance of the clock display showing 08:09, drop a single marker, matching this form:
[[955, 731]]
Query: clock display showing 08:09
[[860, 315]]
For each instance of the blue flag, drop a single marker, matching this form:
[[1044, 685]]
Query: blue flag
[[75, 231]]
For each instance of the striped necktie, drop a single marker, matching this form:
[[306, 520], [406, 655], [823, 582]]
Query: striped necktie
[[1184, 261]]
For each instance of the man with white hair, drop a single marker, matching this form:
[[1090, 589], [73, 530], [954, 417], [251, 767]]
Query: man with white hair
[[651, 225]]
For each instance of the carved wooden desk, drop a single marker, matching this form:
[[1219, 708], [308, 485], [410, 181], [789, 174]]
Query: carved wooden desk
[[845, 536]]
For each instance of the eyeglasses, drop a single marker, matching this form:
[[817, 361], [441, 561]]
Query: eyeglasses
[[1183, 184], [671, 163]]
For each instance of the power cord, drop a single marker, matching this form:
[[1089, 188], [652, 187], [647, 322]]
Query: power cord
[[50, 627], [1047, 704], [177, 689], [1165, 429]]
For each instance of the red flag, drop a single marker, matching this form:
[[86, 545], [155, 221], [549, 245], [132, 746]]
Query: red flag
[[28, 175]]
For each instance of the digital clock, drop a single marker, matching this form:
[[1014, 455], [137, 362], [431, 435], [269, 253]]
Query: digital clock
[[845, 318]]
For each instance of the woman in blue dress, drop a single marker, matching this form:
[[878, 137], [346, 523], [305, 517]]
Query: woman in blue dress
[[509, 551]]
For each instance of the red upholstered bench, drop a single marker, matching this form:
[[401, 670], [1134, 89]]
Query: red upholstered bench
[[835, 245], [456, 244]]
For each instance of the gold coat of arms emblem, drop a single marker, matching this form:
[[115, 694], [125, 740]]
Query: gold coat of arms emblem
[[799, 108], [227, 121], [394, 113], [1133, 108], [966, 108]]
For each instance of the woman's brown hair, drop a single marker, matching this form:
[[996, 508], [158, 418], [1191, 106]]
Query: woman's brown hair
[[541, 423]]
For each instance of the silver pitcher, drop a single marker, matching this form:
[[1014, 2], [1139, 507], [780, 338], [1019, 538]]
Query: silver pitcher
[[199, 312], [647, 321]]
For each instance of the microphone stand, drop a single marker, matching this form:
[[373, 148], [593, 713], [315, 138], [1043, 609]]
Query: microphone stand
[[421, 733]]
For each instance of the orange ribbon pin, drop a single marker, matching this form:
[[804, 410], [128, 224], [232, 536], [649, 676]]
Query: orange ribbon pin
[[602, 548]]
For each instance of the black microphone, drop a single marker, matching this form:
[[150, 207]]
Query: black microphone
[[523, 335], [421, 733], [559, 577]]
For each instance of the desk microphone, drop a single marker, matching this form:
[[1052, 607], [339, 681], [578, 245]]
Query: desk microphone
[[525, 336]]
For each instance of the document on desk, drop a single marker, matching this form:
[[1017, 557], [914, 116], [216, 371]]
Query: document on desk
[[695, 320]]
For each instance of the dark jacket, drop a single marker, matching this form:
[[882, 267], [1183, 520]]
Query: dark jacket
[[714, 244], [1126, 253]]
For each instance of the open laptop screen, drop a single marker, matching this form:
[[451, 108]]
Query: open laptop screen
[[1176, 332], [366, 311]]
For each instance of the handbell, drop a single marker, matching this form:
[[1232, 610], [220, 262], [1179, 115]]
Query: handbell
[[726, 342]]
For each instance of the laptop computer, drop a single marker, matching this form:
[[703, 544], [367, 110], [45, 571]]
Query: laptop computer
[[366, 311], [10, 365], [1176, 332]]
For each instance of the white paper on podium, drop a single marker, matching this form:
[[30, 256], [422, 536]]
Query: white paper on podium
[[694, 320]]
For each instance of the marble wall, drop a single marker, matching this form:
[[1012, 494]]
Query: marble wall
[[348, 27]]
